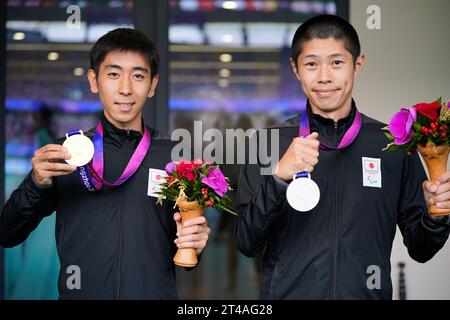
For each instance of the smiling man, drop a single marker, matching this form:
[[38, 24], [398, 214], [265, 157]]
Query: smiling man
[[339, 249], [124, 87], [113, 240]]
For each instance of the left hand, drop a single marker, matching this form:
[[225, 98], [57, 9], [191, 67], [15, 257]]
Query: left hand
[[438, 193], [193, 234]]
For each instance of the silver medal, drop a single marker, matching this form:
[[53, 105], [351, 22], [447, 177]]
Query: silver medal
[[80, 148], [303, 194]]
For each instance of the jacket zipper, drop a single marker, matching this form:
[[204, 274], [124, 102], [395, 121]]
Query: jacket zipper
[[122, 212], [335, 216]]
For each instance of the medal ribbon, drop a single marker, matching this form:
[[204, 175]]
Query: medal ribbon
[[347, 139], [91, 175]]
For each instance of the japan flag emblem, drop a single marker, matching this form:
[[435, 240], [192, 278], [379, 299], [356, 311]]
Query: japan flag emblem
[[371, 168]]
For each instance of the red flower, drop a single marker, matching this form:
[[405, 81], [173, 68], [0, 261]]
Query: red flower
[[429, 110], [170, 179], [186, 169]]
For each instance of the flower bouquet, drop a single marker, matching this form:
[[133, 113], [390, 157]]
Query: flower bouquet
[[423, 127], [194, 186]]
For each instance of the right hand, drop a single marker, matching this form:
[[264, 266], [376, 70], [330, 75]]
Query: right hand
[[48, 163], [302, 155]]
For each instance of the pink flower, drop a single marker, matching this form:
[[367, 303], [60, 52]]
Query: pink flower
[[216, 181], [170, 167], [400, 125]]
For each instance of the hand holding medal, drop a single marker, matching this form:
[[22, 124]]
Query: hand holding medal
[[87, 156], [298, 162], [303, 194], [47, 163]]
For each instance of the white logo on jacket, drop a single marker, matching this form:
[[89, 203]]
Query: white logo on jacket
[[155, 178], [371, 168]]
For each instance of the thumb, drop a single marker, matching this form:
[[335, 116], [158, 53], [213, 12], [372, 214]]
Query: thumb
[[429, 186], [314, 135], [177, 218]]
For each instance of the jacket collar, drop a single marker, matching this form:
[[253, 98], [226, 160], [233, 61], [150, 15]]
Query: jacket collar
[[330, 131], [119, 136]]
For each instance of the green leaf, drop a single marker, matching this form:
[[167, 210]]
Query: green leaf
[[417, 127], [389, 136], [421, 119], [224, 208], [410, 145], [393, 147]]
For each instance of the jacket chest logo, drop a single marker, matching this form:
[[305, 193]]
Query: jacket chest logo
[[371, 168], [155, 178]]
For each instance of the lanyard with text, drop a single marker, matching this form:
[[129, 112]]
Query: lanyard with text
[[91, 175]]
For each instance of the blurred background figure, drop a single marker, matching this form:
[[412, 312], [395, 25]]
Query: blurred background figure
[[32, 268], [43, 126], [225, 230]]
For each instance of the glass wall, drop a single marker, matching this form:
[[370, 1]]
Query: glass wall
[[233, 57]]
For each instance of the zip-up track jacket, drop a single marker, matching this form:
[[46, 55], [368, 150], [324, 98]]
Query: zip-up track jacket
[[331, 251], [119, 238]]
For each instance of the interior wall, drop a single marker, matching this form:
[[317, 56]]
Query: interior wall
[[407, 63]]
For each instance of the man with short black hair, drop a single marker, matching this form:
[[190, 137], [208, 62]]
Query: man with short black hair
[[332, 251], [114, 241]]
